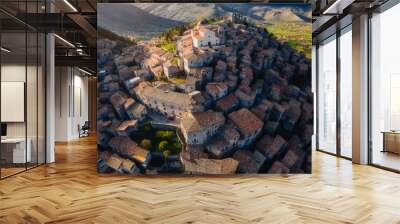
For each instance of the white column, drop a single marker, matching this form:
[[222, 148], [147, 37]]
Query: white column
[[62, 103], [360, 90], [50, 99]]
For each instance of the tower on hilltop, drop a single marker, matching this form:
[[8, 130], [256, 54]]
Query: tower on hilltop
[[237, 17]]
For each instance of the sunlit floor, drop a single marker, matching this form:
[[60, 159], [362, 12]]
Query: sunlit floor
[[386, 159]]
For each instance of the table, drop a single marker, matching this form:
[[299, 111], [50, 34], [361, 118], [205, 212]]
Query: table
[[391, 141], [13, 150]]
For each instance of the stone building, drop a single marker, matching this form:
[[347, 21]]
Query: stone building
[[227, 103], [171, 70], [248, 124], [168, 103], [197, 127], [207, 35], [217, 90]]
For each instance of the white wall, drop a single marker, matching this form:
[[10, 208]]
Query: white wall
[[71, 102], [62, 81], [80, 110], [12, 73], [16, 73]]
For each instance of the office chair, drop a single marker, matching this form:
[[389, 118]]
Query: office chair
[[84, 130]]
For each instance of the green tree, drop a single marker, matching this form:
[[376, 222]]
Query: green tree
[[146, 143], [166, 153], [292, 43], [163, 145]]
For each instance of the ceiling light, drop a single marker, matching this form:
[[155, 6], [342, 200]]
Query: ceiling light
[[64, 40], [337, 7], [84, 71], [5, 50], [70, 5]]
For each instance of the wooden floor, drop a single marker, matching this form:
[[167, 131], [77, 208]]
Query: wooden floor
[[5, 172], [70, 191]]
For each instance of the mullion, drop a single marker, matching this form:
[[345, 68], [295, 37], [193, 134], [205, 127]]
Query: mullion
[[26, 86], [338, 95], [37, 91], [317, 96]]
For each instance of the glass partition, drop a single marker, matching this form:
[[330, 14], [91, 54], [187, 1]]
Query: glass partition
[[385, 89], [22, 77], [13, 94], [346, 92], [32, 98], [327, 95]]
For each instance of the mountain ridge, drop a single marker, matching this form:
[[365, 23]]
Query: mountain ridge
[[146, 20], [258, 12]]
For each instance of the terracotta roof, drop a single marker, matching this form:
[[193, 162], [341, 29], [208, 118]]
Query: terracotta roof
[[245, 88], [246, 121], [264, 143], [127, 124], [194, 122], [216, 87], [211, 166], [114, 162], [137, 108], [151, 61], [247, 72], [118, 99], [157, 51], [227, 102], [220, 66], [260, 113]]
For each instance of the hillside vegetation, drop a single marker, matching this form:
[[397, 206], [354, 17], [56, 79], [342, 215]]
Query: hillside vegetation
[[297, 35], [167, 39], [107, 34]]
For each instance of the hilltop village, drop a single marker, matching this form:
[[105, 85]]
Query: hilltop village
[[244, 105]]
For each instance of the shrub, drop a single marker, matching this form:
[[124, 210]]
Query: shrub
[[146, 143], [169, 46], [163, 145]]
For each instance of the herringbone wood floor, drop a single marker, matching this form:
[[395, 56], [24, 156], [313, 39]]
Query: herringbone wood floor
[[70, 191]]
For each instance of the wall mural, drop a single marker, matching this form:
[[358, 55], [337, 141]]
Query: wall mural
[[204, 88]]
